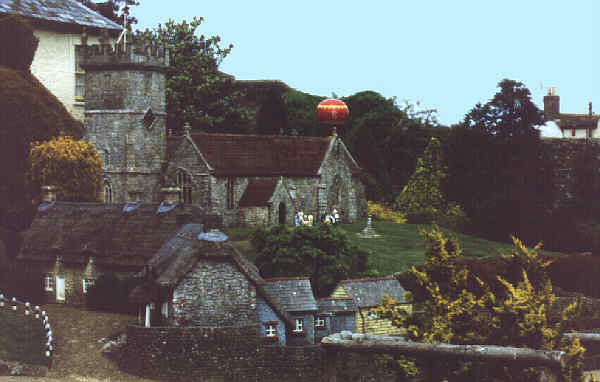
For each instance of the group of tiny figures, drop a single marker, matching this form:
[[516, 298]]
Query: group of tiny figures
[[330, 218]]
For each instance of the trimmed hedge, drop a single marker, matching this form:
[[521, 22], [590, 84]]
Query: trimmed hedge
[[17, 43]]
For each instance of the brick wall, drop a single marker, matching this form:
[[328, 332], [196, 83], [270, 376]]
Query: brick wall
[[216, 354]]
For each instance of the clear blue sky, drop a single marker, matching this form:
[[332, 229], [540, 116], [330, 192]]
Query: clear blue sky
[[447, 54]]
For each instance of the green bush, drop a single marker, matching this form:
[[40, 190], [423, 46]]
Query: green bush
[[321, 252], [17, 43]]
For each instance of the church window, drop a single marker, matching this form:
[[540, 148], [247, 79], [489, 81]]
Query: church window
[[108, 197], [106, 157], [230, 192], [184, 183], [79, 74]]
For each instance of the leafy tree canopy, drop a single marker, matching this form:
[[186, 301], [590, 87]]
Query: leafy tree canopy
[[272, 116], [197, 92], [74, 167], [322, 253], [510, 113], [497, 168]]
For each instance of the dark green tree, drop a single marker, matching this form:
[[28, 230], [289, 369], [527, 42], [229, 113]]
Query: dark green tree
[[17, 43], [322, 252], [29, 112], [302, 113], [497, 168], [197, 92], [509, 114], [272, 116]]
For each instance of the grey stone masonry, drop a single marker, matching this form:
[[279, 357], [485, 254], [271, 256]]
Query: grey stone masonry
[[125, 115]]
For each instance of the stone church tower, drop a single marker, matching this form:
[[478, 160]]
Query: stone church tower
[[125, 117]]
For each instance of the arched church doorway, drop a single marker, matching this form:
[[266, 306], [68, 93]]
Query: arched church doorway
[[282, 213]]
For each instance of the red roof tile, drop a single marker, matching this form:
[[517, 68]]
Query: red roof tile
[[258, 192], [261, 155]]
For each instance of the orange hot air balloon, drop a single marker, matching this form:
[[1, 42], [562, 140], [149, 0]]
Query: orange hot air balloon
[[332, 112]]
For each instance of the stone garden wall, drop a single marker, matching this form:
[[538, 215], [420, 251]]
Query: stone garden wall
[[216, 354]]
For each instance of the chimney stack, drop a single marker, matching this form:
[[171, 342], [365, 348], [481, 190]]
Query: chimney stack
[[48, 194], [170, 195], [551, 105], [590, 108]]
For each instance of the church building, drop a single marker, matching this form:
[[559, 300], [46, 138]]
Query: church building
[[246, 179]]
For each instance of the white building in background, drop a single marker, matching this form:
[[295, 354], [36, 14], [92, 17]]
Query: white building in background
[[568, 125], [61, 25]]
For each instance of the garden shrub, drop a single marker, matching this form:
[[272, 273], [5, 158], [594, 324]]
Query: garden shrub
[[457, 307], [17, 43], [380, 212], [322, 252], [422, 200]]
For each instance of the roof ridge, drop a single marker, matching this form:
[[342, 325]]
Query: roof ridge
[[196, 134], [369, 279], [287, 278], [334, 298]]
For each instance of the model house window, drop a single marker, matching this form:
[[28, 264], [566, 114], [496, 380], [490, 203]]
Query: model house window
[[184, 183], [48, 282], [164, 310], [271, 330], [299, 325], [87, 283], [230, 193], [320, 323], [79, 74], [107, 193]]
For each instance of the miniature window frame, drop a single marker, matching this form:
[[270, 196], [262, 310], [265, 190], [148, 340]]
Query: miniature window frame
[[271, 330], [49, 282], [184, 182], [79, 74], [86, 283], [299, 329], [107, 192], [320, 323]]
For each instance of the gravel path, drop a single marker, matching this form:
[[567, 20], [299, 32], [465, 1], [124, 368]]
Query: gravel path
[[78, 356]]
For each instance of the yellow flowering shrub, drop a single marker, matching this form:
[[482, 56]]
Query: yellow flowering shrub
[[73, 166], [381, 212], [451, 305]]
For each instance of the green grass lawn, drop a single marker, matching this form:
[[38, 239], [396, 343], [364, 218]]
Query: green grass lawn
[[399, 246], [22, 338]]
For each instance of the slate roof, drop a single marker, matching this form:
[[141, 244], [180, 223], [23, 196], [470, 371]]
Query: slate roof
[[293, 293], [76, 231], [180, 254], [258, 192], [337, 305], [59, 11], [262, 155], [577, 121], [368, 292]]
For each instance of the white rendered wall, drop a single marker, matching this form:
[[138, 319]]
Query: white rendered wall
[[54, 65]]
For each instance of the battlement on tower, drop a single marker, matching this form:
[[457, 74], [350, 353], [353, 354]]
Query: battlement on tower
[[141, 55]]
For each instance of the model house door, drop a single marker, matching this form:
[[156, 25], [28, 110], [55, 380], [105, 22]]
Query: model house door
[[60, 288]]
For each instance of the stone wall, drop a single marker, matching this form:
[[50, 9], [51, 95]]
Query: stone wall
[[216, 354], [120, 88], [214, 293]]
